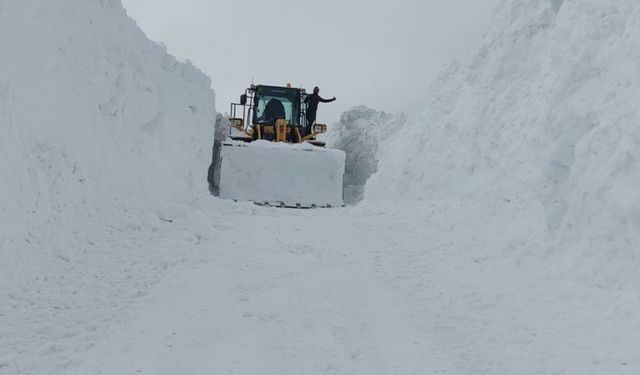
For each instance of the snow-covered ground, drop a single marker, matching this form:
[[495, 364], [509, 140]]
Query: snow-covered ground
[[499, 234], [376, 290]]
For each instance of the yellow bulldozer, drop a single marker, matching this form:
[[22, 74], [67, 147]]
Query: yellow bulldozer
[[270, 155]]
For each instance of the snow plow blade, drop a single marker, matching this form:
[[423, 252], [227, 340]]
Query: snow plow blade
[[278, 174]]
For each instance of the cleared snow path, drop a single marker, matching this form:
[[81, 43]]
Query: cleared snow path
[[290, 292], [431, 288], [239, 289], [374, 291]]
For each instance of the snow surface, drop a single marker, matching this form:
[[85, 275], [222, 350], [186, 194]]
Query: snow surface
[[546, 115], [359, 133], [499, 234], [102, 135]]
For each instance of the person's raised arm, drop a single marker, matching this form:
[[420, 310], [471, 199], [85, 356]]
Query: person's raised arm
[[327, 100]]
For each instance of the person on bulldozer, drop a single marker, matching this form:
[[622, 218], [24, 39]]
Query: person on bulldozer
[[312, 106]]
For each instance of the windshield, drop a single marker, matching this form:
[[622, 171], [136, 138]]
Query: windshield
[[273, 103]]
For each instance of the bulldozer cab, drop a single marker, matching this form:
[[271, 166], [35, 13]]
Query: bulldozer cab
[[273, 103], [246, 168], [273, 113]]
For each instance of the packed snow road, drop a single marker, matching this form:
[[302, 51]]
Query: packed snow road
[[287, 292], [367, 290]]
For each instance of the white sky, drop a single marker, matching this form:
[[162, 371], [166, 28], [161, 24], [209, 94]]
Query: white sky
[[382, 54]]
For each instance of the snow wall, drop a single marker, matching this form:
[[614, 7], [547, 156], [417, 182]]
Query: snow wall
[[359, 133], [542, 129], [99, 128]]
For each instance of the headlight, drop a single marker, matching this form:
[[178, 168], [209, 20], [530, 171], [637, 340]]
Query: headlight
[[319, 128], [236, 122]]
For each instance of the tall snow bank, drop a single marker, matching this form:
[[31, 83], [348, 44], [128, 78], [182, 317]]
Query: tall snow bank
[[545, 114], [98, 126], [359, 133]]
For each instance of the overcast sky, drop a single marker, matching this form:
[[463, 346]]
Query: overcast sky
[[382, 54]]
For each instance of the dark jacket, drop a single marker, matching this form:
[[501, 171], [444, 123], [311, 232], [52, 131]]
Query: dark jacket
[[313, 100]]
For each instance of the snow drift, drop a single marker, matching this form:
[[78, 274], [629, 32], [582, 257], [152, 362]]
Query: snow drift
[[101, 132], [92, 114], [544, 120], [359, 133]]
